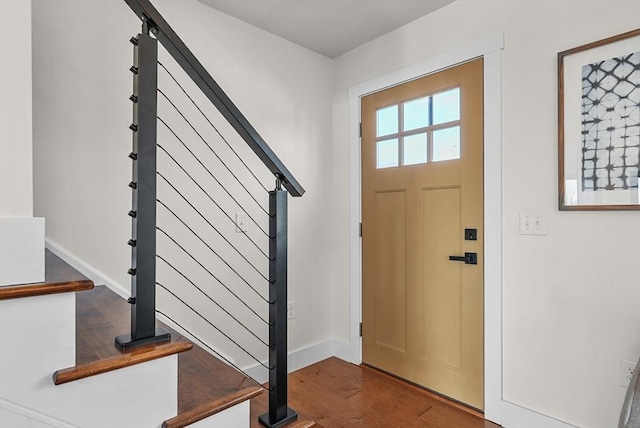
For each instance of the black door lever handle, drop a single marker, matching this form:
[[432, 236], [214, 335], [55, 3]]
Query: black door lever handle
[[468, 258]]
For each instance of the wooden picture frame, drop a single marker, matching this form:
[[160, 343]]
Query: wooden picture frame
[[598, 125]]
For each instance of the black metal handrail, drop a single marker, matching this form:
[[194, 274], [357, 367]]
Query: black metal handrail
[[144, 198], [196, 71]]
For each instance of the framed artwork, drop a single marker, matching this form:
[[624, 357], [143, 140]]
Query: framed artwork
[[599, 125]]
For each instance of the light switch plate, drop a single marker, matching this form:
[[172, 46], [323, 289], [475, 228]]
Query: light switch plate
[[533, 223]]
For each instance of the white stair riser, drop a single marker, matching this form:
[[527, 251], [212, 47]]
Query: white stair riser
[[21, 250], [37, 337], [237, 416]]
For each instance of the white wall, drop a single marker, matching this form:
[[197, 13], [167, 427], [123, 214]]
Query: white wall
[[21, 235], [571, 302], [81, 142], [571, 298], [16, 179]]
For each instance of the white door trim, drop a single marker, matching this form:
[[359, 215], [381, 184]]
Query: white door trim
[[491, 49]]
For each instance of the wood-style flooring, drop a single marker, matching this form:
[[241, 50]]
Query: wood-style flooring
[[333, 393], [101, 315], [338, 394]]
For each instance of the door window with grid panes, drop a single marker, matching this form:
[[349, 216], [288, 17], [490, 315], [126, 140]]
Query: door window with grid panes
[[418, 131]]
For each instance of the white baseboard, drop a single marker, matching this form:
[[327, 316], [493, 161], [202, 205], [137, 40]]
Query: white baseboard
[[15, 415], [21, 250], [303, 357], [343, 350], [258, 373], [515, 416], [298, 359], [191, 337], [90, 272]]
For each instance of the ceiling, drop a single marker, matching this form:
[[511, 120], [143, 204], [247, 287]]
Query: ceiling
[[328, 27]]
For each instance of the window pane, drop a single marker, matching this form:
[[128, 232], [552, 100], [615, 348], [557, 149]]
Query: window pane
[[446, 106], [387, 121], [446, 144], [415, 149], [416, 114], [387, 153]]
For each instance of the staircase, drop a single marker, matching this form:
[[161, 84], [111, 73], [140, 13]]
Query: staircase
[[37, 338], [60, 369], [208, 254]]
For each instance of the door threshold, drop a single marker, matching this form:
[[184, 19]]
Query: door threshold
[[434, 394]]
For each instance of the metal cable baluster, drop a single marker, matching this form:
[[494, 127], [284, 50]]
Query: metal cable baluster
[[211, 299], [214, 251], [222, 357], [212, 275], [209, 171], [208, 196], [205, 219], [214, 127], [212, 325]]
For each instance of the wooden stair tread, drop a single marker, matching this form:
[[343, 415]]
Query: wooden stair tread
[[203, 380], [205, 410], [59, 278], [135, 356]]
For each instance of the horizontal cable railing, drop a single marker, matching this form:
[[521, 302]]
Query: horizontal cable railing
[[222, 275]]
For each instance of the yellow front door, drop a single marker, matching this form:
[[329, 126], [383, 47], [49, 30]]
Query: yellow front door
[[422, 211]]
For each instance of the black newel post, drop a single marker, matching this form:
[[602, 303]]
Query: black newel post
[[143, 212], [279, 414]]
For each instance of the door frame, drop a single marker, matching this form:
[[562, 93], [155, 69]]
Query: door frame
[[490, 49]]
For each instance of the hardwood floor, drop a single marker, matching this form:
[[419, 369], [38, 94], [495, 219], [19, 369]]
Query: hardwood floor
[[337, 394], [333, 393]]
